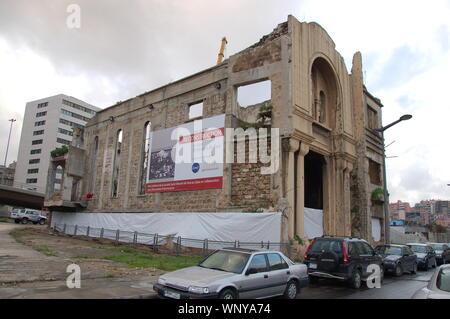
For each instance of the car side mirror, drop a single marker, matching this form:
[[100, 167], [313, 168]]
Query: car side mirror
[[251, 271]]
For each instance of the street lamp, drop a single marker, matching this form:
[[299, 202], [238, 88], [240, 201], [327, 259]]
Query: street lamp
[[387, 236], [7, 146]]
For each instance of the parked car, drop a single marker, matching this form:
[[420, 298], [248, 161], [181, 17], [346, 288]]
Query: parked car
[[438, 287], [233, 273], [398, 259], [26, 216], [341, 258], [442, 252], [426, 257]]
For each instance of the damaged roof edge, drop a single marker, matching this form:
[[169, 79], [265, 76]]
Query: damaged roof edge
[[224, 63], [281, 29], [377, 100]]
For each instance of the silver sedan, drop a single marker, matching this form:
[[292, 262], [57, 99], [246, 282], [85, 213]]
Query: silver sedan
[[233, 273], [438, 287]]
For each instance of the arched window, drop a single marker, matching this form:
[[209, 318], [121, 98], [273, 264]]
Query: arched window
[[323, 108], [144, 157], [116, 167], [324, 93]]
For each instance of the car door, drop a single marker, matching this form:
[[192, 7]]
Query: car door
[[278, 273], [410, 257], [432, 255], [445, 254], [255, 284], [364, 257]]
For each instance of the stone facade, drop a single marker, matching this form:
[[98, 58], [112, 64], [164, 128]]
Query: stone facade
[[325, 142]]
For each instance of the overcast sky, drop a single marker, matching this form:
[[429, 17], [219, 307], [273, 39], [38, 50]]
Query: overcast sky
[[125, 48]]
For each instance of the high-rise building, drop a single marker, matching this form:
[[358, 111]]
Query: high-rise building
[[47, 124], [399, 210]]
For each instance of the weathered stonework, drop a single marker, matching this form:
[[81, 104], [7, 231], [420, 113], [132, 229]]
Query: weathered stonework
[[320, 109]]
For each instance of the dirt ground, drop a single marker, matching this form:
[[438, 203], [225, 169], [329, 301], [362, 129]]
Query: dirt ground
[[55, 252]]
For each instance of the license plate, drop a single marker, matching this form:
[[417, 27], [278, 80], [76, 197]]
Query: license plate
[[172, 295], [312, 266]]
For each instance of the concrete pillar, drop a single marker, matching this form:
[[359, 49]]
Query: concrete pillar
[[347, 204], [327, 192], [300, 191], [339, 219], [290, 191]]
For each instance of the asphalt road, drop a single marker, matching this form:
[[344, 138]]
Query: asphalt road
[[392, 288]]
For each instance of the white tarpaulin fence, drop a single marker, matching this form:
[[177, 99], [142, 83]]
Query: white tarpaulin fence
[[313, 223], [247, 228]]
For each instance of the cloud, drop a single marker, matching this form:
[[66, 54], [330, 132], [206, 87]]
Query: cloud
[[125, 48]]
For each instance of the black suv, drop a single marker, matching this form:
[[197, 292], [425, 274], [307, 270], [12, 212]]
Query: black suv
[[341, 258], [442, 252]]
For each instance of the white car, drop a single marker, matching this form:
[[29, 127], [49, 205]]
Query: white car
[[26, 216], [233, 273], [438, 287]]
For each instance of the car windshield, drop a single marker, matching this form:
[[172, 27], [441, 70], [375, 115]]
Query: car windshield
[[229, 261], [419, 249], [443, 280], [326, 245], [386, 250], [438, 246]]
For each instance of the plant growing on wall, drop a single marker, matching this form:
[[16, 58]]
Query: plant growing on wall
[[378, 194], [299, 240], [265, 113], [59, 151]]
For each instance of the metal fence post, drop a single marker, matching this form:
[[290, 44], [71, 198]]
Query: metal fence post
[[75, 230], [87, 231], [262, 244], [135, 238], [101, 232], [178, 246], [117, 236], [238, 244], [64, 228], [268, 244]]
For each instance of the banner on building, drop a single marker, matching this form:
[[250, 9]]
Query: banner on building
[[187, 157]]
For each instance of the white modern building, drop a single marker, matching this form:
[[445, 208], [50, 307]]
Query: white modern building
[[47, 124]]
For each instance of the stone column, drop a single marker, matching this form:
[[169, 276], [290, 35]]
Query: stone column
[[347, 208], [328, 198], [290, 189], [339, 219], [300, 191]]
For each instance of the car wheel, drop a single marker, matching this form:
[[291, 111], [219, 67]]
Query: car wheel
[[24, 221], [414, 270], [227, 294], [398, 270], [355, 281], [42, 222], [291, 290]]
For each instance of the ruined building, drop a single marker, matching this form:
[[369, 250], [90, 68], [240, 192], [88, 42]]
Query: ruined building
[[330, 154]]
